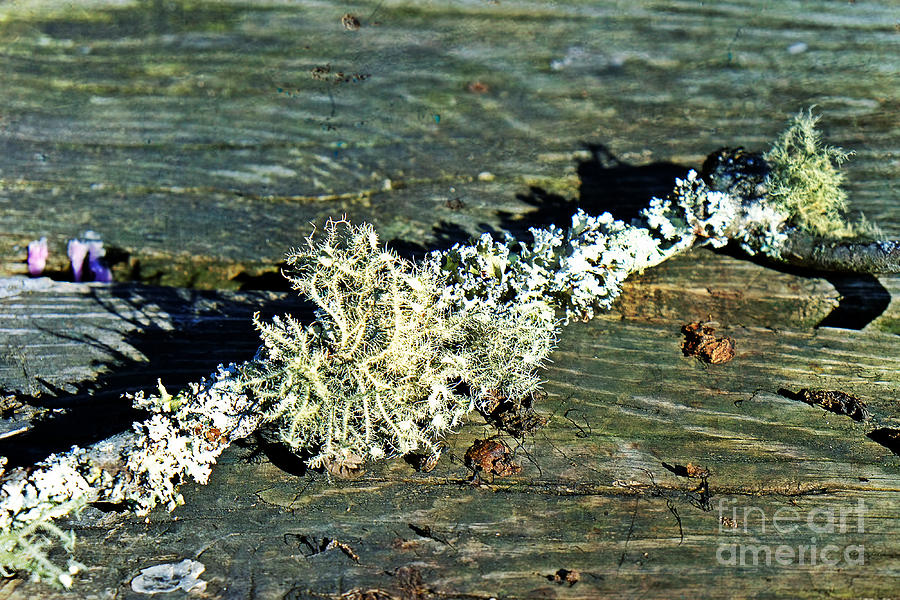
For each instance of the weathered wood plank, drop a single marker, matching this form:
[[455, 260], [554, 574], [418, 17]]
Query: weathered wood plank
[[593, 494], [197, 140]]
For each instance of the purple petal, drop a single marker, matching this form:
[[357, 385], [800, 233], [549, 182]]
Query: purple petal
[[96, 252], [77, 251], [37, 256], [101, 272]]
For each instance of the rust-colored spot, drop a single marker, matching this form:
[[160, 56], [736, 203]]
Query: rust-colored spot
[[700, 340], [491, 456], [690, 470], [478, 87], [696, 471]]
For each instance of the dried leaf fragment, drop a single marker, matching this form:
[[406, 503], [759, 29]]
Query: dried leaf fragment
[[700, 341]]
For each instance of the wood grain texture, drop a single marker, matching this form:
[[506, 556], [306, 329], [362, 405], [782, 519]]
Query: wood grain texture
[[594, 494], [198, 141]]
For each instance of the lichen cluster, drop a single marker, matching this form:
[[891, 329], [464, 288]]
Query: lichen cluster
[[805, 182], [182, 438], [385, 368], [580, 270]]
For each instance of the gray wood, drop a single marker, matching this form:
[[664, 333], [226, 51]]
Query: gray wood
[[196, 140], [593, 494]]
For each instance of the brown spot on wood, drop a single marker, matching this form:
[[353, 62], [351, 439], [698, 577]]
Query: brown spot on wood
[[345, 467], [326, 73], [700, 340], [491, 456], [412, 587], [515, 418], [562, 576], [696, 471], [350, 22]]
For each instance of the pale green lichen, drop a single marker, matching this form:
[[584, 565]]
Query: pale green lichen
[[805, 182], [385, 369], [25, 546]]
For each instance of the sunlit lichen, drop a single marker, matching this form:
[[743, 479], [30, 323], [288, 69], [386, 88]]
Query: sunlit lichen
[[26, 540], [385, 368], [805, 182]]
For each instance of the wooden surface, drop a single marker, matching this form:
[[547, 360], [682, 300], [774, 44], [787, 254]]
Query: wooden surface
[[196, 139]]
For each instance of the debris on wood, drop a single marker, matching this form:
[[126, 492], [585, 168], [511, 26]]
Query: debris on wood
[[170, 577], [423, 462], [350, 22], [316, 546], [515, 418], [412, 587], [370, 594], [834, 401], [326, 73], [696, 472], [427, 532], [454, 204], [565, 576], [700, 340], [887, 437], [491, 456], [346, 467], [690, 470]]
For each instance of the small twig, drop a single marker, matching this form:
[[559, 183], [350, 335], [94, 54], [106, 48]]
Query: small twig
[[873, 257]]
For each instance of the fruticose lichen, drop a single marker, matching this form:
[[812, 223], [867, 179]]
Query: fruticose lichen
[[385, 369], [805, 182], [399, 352]]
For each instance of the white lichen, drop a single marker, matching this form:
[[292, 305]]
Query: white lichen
[[581, 270]]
